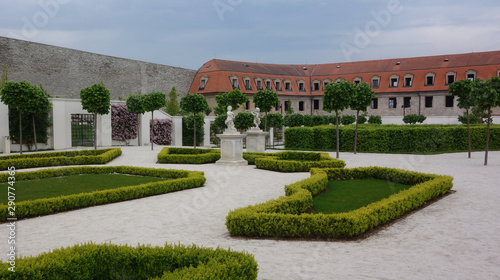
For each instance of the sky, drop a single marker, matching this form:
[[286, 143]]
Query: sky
[[191, 32]]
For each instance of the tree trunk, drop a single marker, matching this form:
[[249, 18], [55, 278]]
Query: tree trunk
[[468, 133], [34, 132], [151, 130], [139, 130], [487, 137], [338, 139], [194, 144], [356, 133], [95, 131], [265, 130], [20, 133]]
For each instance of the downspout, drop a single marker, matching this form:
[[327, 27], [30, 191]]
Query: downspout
[[419, 102], [310, 88]]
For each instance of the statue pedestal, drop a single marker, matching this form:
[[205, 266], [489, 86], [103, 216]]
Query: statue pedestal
[[231, 148], [256, 140]]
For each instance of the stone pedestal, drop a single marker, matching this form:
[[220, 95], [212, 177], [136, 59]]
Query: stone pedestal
[[231, 148], [256, 140]]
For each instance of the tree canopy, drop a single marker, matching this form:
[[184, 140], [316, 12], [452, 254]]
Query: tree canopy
[[96, 99], [193, 104], [265, 100], [360, 100], [234, 98], [134, 104], [172, 103]]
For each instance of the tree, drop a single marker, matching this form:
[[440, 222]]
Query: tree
[[337, 98], [39, 106], [464, 90], [152, 102], [265, 100], [243, 121], [288, 107], [134, 105], [361, 99], [172, 103], [20, 96], [487, 96], [233, 98], [194, 104], [96, 100], [414, 118]]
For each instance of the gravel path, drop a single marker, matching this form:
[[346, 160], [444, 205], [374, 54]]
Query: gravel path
[[455, 238]]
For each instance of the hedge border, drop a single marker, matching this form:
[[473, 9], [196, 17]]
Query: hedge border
[[59, 158], [188, 155], [289, 162], [178, 180], [287, 217], [109, 261]]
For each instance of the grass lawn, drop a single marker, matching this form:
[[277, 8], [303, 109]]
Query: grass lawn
[[345, 196], [75, 184]]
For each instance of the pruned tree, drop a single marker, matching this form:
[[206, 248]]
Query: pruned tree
[[361, 98], [337, 98], [234, 98], [96, 100], [464, 90], [265, 100], [487, 96], [172, 103], [193, 104], [152, 102], [20, 96], [39, 106], [134, 105]]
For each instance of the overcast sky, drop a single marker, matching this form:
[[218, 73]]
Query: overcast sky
[[190, 32]]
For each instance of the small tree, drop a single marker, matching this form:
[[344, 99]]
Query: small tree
[[193, 104], [39, 106], [265, 100], [96, 100], [486, 97], [337, 98], [20, 96], [233, 98], [172, 103], [361, 99], [243, 121], [134, 105], [288, 107], [464, 90], [152, 102]]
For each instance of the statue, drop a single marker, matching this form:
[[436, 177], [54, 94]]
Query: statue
[[256, 117], [229, 120]]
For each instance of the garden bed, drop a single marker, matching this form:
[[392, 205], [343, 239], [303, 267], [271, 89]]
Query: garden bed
[[297, 162]]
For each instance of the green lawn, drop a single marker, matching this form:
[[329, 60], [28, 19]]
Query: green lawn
[[345, 196], [75, 184]]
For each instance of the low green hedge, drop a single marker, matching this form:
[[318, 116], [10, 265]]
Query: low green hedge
[[297, 162], [59, 158], [178, 180], [187, 155], [108, 261], [286, 217], [393, 138]]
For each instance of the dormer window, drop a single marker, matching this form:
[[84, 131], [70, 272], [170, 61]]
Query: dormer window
[[203, 82], [277, 84], [326, 82], [259, 84], [248, 86], [234, 81], [268, 85], [408, 82], [288, 85], [450, 78], [375, 82], [470, 75], [339, 80], [429, 79], [301, 85], [357, 80], [394, 81]]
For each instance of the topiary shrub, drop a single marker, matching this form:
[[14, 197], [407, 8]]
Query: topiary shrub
[[362, 119], [347, 119], [243, 121], [292, 120], [373, 119], [307, 120], [161, 131], [413, 119]]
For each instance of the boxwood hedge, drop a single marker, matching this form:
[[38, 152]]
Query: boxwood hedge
[[393, 138], [287, 217], [187, 155], [59, 158], [297, 162], [177, 180], [108, 261]]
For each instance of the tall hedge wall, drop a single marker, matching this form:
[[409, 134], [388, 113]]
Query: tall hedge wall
[[393, 138]]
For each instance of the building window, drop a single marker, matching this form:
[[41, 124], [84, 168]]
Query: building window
[[470, 75], [408, 80], [429, 80], [301, 106], [234, 83], [316, 104], [247, 105], [277, 106], [315, 86], [277, 84], [428, 101], [326, 82], [287, 104], [288, 86], [357, 80], [450, 78], [374, 103], [203, 84], [259, 85], [392, 103], [498, 73], [394, 81], [247, 85], [302, 87], [449, 101], [268, 85], [407, 102], [375, 82]]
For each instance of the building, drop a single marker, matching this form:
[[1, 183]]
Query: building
[[416, 85]]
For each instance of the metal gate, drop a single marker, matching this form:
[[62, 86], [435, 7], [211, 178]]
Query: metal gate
[[82, 130]]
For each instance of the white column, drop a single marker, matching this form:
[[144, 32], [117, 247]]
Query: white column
[[4, 126], [206, 139], [60, 125], [176, 131], [104, 136]]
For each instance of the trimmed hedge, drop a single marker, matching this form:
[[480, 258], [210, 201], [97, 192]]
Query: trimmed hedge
[[393, 138], [187, 155], [178, 180], [297, 162], [59, 158], [108, 261], [286, 217]]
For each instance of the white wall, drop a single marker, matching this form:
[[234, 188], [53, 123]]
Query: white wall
[[4, 124]]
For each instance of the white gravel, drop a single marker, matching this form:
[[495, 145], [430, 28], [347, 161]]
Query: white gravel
[[455, 238]]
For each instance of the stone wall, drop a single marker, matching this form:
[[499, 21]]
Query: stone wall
[[65, 72]]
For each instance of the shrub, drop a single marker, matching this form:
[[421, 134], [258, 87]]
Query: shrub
[[319, 120], [161, 131], [362, 119], [188, 155], [307, 120], [243, 121], [177, 180], [109, 261], [413, 119], [123, 123], [286, 217], [347, 119], [297, 162], [188, 130], [375, 119], [292, 120], [59, 158]]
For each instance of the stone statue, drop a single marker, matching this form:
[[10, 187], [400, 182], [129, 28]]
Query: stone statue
[[229, 120], [256, 117]]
